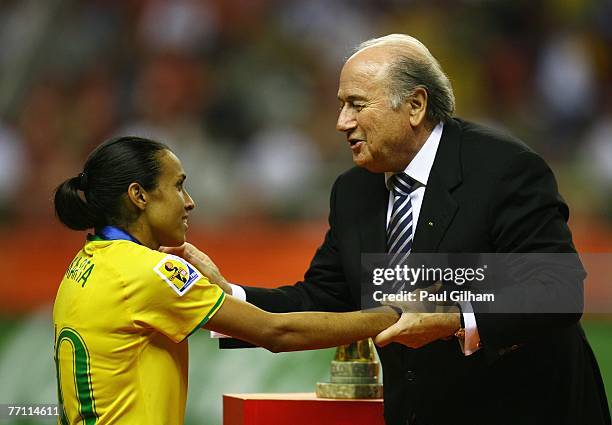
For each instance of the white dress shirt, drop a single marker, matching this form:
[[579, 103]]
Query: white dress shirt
[[419, 169]]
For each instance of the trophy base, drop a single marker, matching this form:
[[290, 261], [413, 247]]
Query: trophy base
[[335, 390], [356, 369]]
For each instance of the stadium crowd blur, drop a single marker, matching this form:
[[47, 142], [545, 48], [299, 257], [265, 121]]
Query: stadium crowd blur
[[245, 91]]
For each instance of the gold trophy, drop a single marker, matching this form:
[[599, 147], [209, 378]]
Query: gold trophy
[[354, 373]]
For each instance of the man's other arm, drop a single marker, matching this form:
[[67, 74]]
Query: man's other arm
[[529, 216]]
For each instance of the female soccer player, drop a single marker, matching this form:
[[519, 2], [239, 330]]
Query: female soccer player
[[124, 310]]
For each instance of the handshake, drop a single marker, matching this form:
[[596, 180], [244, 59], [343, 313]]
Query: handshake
[[414, 327]]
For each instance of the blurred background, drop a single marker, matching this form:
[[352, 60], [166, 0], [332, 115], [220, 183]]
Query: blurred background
[[244, 91]]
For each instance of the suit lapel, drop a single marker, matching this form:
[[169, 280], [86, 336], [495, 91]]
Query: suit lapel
[[437, 212], [373, 217], [439, 207]]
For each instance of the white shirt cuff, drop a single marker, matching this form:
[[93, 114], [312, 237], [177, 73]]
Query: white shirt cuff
[[472, 338], [237, 292]]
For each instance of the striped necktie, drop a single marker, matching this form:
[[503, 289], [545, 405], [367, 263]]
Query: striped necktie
[[399, 229]]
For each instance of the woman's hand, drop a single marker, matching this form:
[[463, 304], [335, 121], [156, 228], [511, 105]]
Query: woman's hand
[[201, 261]]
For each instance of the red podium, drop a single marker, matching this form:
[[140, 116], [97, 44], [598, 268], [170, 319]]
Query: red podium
[[299, 409]]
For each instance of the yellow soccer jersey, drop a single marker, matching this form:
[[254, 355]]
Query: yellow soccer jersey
[[122, 315]]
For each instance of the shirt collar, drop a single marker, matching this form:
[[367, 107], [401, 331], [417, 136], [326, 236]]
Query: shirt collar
[[111, 233], [420, 166]]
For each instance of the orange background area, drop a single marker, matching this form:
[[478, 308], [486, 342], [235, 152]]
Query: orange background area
[[35, 257]]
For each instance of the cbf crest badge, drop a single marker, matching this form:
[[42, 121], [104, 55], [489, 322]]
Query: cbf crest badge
[[177, 273]]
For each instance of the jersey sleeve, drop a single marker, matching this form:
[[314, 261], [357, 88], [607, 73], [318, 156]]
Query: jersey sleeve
[[171, 296]]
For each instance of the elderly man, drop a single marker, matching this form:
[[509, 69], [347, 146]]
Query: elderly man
[[464, 188]]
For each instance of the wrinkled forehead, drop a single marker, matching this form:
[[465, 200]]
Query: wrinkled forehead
[[371, 61], [363, 72]]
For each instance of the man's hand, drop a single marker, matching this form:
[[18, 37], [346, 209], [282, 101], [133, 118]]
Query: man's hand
[[201, 261], [418, 329], [419, 304]]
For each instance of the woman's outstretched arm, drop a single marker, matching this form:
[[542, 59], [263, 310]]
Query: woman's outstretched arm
[[297, 331]]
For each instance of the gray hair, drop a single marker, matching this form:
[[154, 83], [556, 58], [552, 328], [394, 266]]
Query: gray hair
[[413, 67]]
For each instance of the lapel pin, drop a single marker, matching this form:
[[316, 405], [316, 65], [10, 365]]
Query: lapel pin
[[430, 224]]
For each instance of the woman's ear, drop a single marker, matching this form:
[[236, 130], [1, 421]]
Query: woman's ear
[[137, 196]]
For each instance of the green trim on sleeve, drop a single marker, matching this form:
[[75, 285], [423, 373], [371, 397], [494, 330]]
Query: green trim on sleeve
[[212, 311]]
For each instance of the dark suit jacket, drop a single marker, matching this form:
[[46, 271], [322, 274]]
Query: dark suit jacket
[[489, 193]]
